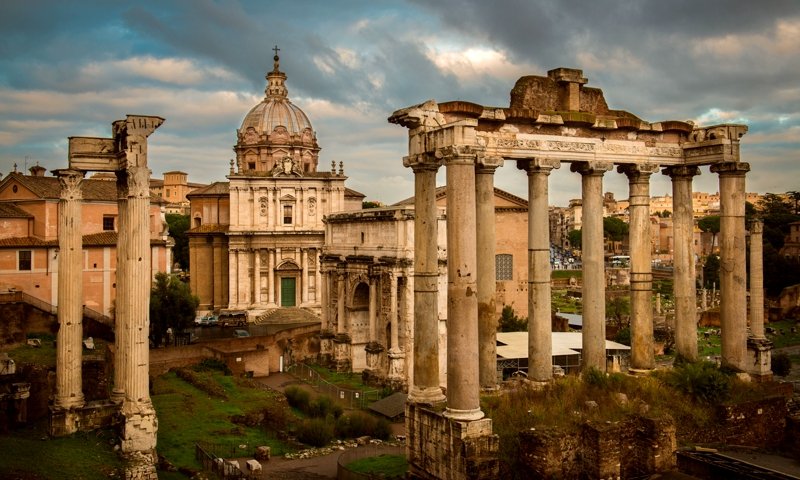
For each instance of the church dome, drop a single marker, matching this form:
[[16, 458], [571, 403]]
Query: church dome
[[274, 130]]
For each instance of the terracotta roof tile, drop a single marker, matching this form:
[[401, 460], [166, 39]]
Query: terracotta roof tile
[[50, 188], [11, 210], [216, 188]]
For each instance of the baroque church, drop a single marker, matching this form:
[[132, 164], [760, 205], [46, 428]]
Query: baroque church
[[255, 240]]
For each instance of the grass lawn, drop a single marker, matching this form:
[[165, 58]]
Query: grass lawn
[[708, 346], [187, 415], [566, 274], [788, 338], [30, 453], [350, 381], [561, 302], [46, 354], [385, 465]]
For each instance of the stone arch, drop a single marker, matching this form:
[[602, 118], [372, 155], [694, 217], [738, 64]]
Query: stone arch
[[360, 298]]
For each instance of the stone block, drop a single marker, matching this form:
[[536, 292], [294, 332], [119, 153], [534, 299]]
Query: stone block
[[263, 453]]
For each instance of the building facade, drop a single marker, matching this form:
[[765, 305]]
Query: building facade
[[255, 240]]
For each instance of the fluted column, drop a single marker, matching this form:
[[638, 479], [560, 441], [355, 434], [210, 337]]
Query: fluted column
[[592, 250], [426, 387], [463, 388], [304, 276], [642, 353], [485, 244], [683, 261], [757, 279], [733, 275], [540, 331], [122, 299], [69, 349]]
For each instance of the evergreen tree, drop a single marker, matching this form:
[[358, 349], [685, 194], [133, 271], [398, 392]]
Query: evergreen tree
[[172, 306]]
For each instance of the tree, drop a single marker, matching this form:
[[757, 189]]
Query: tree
[[371, 204], [178, 224], [618, 310], [710, 224], [509, 322], [614, 229], [172, 306], [711, 271], [574, 237]]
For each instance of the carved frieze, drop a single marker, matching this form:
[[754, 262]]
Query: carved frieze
[[312, 207]]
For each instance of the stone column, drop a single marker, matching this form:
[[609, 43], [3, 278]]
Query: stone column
[[139, 432], [340, 323], [757, 279], [732, 271], [394, 332], [233, 277], [426, 387], [642, 354], [592, 250], [485, 241], [122, 299], [69, 351], [325, 313], [463, 388], [683, 261], [373, 307], [317, 276], [540, 331]]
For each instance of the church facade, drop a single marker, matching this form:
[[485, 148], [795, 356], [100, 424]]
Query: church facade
[[255, 240]]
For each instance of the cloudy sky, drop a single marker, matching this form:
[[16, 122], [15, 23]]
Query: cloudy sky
[[71, 68]]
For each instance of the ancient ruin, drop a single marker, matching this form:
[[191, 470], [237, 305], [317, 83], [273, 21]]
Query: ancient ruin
[[550, 120], [125, 154]]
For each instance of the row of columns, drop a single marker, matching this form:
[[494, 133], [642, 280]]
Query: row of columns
[[471, 328]]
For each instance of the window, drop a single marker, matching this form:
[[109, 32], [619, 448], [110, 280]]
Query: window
[[24, 260], [108, 223], [168, 193], [287, 214], [504, 266]]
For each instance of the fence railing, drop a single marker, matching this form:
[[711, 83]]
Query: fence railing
[[52, 309], [212, 457], [343, 473], [346, 397]]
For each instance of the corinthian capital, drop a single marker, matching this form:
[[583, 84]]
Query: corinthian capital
[[70, 181], [461, 154], [422, 161]]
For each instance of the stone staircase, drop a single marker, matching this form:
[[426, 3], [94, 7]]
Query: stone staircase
[[287, 315]]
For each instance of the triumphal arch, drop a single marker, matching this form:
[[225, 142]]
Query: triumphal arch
[[551, 120]]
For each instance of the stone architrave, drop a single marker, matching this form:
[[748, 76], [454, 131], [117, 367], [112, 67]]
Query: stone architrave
[[425, 389], [485, 241], [592, 246], [642, 353], [463, 388], [733, 275], [69, 351], [683, 261], [540, 328]]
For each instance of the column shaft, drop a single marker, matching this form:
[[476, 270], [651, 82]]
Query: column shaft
[[642, 353], [757, 279], [393, 313], [592, 250], [257, 277], [485, 241], [683, 262], [732, 278], [426, 387], [540, 327], [340, 322], [304, 275], [69, 349], [373, 302], [463, 388], [122, 298]]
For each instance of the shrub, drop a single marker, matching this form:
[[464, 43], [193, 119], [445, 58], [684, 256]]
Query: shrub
[[276, 417], [701, 381], [201, 382], [781, 364], [297, 397], [322, 406], [207, 364], [359, 424], [624, 336], [315, 432]]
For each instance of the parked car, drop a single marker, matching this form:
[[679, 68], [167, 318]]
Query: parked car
[[241, 333], [207, 320]]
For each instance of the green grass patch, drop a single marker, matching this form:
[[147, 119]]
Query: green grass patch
[[385, 465], [30, 453], [708, 344], [786, 339], [46, 353], [188, 415], [561, 274], [561, 302]]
